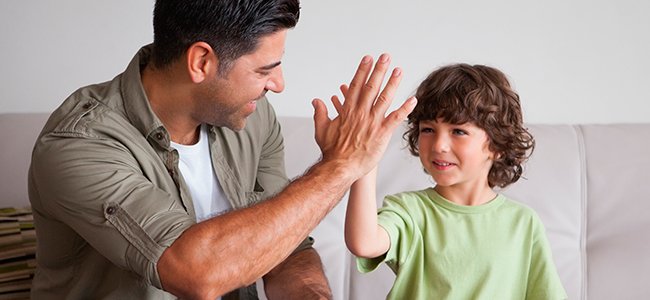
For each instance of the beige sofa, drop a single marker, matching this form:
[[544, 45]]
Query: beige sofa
[[586, 182]]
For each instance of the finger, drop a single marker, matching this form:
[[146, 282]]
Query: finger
[[373, 85], [397, 116], [337, 104], [344, 89], [359, 80], [321, 120], [386, 96]]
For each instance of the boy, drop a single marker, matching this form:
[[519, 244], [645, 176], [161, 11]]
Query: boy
[[459, 239]]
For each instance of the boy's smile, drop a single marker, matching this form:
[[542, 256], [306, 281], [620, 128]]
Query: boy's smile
[[442, 165]]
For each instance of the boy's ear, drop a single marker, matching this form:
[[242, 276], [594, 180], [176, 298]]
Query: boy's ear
[[201, 61]]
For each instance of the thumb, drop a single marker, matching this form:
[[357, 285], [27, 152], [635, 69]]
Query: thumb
[[321, 120]]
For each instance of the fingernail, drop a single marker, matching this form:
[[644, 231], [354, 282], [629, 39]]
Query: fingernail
[[384, 57], [366, 59], [397, 72]]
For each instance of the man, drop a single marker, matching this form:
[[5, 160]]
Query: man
[[115, 213]]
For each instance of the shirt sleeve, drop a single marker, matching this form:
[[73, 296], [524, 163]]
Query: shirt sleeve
[[543, 279], [394, 218], [271, 172], [96, 187]]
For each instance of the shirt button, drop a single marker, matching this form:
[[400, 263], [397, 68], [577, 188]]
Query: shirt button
[[159, 136], [87, 105], [111, 210]]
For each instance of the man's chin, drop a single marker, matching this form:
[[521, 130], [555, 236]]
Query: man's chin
[[239, 126], [236, 123]]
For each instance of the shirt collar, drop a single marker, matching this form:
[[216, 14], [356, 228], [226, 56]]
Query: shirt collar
[[136, 102]]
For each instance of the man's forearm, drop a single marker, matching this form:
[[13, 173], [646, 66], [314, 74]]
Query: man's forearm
[[235, 249], [300, 276], [213, 254]]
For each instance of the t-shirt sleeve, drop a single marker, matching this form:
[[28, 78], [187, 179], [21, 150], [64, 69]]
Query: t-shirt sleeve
[[393, 216], [95, 187], [543, 280]]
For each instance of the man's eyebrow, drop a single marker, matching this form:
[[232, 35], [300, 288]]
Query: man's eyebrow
[[270, 66]]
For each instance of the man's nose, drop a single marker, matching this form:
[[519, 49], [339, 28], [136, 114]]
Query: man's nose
[[276, 81]]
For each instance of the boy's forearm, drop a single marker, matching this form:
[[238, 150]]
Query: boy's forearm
[[362, 234]]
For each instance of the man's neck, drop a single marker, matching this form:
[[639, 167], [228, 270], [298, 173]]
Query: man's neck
[[169, 97]]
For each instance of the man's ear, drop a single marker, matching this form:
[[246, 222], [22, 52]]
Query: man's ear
[[201, 61]]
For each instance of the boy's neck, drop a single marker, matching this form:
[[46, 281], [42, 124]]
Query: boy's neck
[[465, 195]]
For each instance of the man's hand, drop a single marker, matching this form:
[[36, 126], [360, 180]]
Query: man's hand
[[358, 136]]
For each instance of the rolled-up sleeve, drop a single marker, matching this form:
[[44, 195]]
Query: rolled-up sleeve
[[98, 188]]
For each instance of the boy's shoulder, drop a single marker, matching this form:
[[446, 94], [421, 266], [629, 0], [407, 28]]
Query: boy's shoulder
[[519, 208], [408, 196], [406, 200]]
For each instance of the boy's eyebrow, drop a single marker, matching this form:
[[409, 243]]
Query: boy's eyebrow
[[270, 66]]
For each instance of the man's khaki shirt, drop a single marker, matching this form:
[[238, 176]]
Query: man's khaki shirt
[[108, 197]]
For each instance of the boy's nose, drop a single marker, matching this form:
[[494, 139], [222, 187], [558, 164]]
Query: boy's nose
[[440, 144]]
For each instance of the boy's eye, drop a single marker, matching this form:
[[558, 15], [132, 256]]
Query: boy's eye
[[459, 132], [426, 130]]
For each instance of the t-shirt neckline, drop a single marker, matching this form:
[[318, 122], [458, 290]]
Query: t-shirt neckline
[[466, 209]]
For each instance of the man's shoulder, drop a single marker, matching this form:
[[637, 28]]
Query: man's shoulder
[[87, 110]]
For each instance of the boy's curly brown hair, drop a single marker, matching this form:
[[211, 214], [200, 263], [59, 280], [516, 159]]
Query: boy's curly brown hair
[[480, 95]]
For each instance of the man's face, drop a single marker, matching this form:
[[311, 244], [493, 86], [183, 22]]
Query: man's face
[[227, 100]]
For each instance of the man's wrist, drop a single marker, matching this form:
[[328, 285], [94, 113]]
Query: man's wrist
[[342, 170]]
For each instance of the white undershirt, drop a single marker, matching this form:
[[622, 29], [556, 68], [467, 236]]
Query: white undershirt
[[195, 165]]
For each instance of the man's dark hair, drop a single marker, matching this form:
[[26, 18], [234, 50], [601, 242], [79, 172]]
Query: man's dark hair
[[480, 95], [231, 27]]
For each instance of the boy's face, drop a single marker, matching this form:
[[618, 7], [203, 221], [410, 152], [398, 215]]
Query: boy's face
[[456, 156]]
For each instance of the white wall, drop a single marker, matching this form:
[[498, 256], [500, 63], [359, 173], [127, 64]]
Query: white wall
[[571, 61]]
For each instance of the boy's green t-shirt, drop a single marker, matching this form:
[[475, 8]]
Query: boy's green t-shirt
[[441, 250]]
